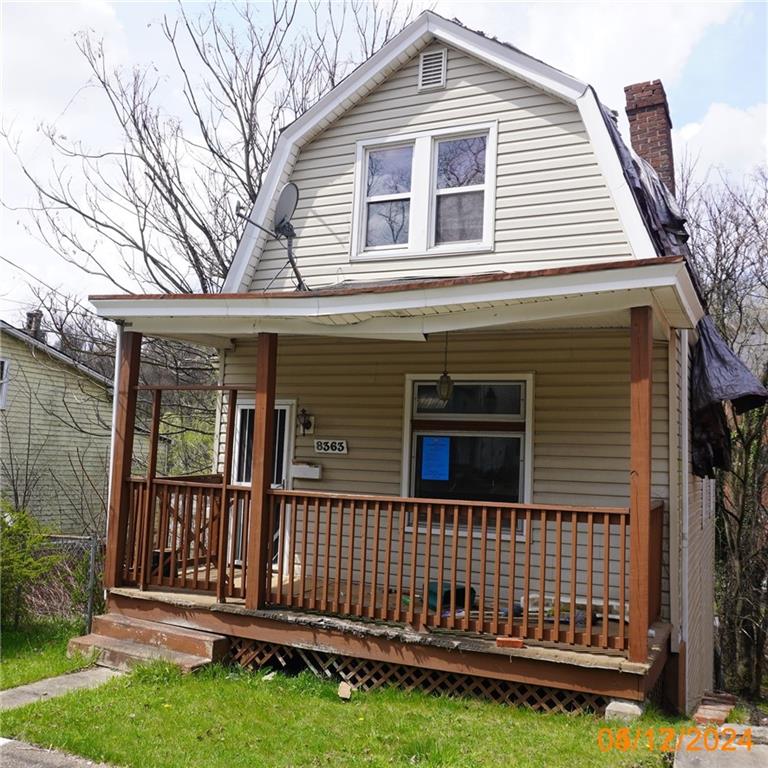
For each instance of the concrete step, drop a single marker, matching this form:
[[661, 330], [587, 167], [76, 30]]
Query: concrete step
[[126, 654], [155, 633]]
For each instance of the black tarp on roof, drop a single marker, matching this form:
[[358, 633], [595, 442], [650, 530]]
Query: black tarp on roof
[[662, 216]]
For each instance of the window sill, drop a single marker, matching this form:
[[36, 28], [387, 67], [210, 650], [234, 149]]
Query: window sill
[[472, 248]]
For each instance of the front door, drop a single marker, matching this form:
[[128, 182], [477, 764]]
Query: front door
[[243, 456]]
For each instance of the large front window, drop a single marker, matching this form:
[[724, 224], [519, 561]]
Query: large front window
[[471, 446], [425, 193]]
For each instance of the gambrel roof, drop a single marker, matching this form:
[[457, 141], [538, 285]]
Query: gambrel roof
[[648, 215]]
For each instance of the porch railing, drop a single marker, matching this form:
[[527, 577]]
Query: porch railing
[[546, 573], [180, 535]]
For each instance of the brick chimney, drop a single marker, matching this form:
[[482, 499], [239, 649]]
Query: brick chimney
[[650, 128], [34, 325]]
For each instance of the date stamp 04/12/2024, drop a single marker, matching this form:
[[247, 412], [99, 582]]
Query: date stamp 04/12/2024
[[693, 739]]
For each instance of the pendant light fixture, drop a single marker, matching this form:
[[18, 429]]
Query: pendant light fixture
[[445, 382]]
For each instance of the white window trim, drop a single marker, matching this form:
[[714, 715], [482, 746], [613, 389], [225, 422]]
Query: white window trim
[[423, 195], [528, 458], [288, 450], [4, 382]]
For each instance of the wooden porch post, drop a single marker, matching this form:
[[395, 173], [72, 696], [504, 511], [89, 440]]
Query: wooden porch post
[[641, 370], [261, 470], [129, 357]]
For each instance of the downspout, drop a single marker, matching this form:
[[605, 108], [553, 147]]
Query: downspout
[[685, 465]]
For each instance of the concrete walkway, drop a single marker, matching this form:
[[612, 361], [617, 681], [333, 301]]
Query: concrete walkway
[[756, 757], [55, 686], [17, 754]]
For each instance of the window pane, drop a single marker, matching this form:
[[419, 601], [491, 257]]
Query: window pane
[[461, 162], [389, 170], [470, 467], [388, 223], [491, 399], [459, 217]]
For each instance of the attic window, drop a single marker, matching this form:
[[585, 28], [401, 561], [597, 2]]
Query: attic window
[[432, 69]]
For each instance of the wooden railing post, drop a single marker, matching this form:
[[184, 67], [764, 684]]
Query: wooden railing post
[[147, 513], [129, 358], [641, 370], [261, 471]]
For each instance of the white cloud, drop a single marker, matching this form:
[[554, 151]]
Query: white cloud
[[729, 139], [608, 45]]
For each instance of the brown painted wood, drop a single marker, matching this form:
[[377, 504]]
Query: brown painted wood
[[512, 572], [384, 612], [261, 469], [436, 425], [122, 454], [622, 580], [350, 557], [149, 492], [606, 577], [454, 565], [375, 562], [496, 575], [228, 620], [427, 570], [641, 372], [441, 568], [574, 549], [527, 571]]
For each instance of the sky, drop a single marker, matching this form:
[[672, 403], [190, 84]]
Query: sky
[[711, 57]]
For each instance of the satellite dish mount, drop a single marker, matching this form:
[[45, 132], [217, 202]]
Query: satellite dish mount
[[284, 210], [282, 227]]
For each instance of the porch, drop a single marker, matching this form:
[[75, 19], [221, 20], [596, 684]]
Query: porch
[[583, 578]]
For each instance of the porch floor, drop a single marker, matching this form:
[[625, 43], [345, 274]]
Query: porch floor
[[446, 639]]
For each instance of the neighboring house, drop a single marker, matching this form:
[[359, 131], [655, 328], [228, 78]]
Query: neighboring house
[[454, 435], [55, 424]]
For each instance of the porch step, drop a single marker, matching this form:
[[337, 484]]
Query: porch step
[[154, 633], [122, 642], [125, 654]]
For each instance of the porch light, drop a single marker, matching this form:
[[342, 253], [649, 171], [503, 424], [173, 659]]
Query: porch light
[[445, 382]]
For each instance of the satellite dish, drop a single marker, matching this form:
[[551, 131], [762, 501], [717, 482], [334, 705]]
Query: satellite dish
[[286, 205]]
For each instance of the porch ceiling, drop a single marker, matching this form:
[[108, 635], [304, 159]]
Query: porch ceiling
[[585, 296]]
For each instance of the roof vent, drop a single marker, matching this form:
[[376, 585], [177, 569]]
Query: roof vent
[[432, 69]]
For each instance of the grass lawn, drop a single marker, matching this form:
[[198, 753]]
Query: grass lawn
[[219, 717], [36, 651]]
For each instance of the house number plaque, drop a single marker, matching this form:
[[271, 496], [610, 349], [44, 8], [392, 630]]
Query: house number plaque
[[330, 446]]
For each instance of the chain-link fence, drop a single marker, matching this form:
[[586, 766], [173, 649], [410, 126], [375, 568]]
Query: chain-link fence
[[73, 588]]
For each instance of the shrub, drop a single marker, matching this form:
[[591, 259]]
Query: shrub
[[22, 539]]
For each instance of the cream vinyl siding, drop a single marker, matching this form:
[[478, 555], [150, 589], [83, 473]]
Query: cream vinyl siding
[[552, 205], [356, 390], [54, 440]]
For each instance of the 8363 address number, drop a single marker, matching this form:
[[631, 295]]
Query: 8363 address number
[[330, 446]]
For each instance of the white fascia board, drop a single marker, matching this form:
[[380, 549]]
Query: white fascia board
[[610, 166], [255, 306], [426, 26]]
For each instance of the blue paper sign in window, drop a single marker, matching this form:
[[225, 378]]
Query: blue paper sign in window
[[435, 458]]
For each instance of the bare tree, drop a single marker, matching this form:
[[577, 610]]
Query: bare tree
[[157, 211], [728, 222]]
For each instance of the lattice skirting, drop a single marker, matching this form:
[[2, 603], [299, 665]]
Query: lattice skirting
[[365, 675]]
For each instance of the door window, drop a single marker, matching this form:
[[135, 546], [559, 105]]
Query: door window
[[243, 458]]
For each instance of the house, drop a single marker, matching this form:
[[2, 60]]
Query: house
[[55, 424], [459, 457]]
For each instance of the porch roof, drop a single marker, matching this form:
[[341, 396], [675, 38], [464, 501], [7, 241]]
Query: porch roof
[[588, 295]]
